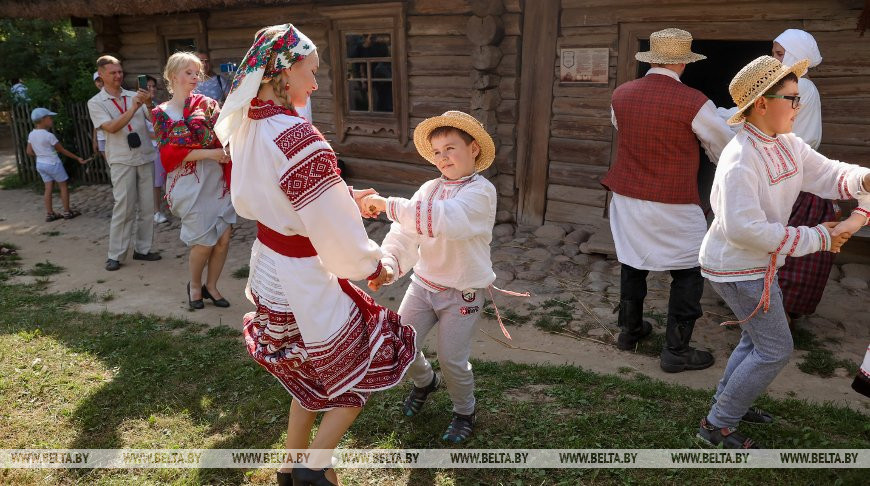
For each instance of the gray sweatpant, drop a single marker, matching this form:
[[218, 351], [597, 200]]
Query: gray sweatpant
[[456, 318], [764, 349]]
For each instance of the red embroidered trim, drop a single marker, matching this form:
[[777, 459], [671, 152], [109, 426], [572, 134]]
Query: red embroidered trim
[[376, 272], [433, 285], [260, 109], [296, 138], [865, 213], [769, 275], [306, 181], [417, 217], [735, 273], [758, 133], [794, 244]]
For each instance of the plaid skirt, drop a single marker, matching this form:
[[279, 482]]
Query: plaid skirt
[[803, 279]]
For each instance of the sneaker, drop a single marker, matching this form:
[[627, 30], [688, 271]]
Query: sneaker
[[460, 428], [417, 397], [112, 265], [724, 438], [148, 257], [160, 217], [754, 415]]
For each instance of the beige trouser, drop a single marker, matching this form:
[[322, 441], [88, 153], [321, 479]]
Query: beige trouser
[[132, 185]]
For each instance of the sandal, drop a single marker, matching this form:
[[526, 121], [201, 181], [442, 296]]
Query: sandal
[[417, 397], [49, 217], [724, 438], [460, 428], [756, 415], [72, 213], [310, 477]]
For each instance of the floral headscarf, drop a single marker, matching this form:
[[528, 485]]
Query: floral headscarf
[[265, 60]]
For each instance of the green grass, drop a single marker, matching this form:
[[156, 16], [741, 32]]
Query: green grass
[[70, 379], [10, 261], [46, 268], [51, 233], [241, 272], [822, 362]]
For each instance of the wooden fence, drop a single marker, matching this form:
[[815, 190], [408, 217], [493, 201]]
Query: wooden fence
[[76, 138]]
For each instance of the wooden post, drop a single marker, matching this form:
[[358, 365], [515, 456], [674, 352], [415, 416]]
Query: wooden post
[[540, 31]]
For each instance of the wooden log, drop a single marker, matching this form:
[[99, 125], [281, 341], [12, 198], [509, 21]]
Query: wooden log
[[511, 44], [140, 51], [513, 24], [562, 212], [507, 131], [382, 149], [509, 88], [577, 195], [589, 152], [506, 159], [238, 38], [845, 86], [438, 46], [484, 31], [582, 128], [847, 153], [586, 107], [507, 111], [577, 175], [439, 7], [485, 100], [504, 185], [439, 65], [482, 8], [440, 25], [509, 65], [394, 172], [513, 6], [258, 17], [481, 80], [485, 58], [846, 133], [424, 108], [845, 110], [384, 187]]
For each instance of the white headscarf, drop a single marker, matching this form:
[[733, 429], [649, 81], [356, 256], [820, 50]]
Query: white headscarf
[[799, 45], [265, 60]]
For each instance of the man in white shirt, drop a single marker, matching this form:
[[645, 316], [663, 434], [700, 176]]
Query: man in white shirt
[[122, 114]]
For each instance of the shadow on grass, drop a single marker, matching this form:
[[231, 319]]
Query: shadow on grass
[[167, 383]]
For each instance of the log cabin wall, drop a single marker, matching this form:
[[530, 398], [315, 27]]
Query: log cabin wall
[[435, 62], [582, 143]]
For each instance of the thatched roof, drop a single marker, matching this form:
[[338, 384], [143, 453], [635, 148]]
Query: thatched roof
[[58, 9]]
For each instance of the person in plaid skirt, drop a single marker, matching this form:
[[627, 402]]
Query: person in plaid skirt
[[655, 212]]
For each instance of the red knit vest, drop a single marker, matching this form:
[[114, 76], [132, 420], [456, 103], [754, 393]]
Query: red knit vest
[[657, 156]]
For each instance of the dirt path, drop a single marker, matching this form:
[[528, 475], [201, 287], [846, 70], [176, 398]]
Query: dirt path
[[80, 245]]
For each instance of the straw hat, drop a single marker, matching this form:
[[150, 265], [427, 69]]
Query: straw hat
[[669, 46], [757, 77], [462, 121]]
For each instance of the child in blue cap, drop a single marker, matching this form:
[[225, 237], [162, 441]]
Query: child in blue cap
[[42, 144]]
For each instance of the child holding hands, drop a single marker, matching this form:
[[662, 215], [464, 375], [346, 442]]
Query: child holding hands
[[444, 232], [759, 176], [43, 145]]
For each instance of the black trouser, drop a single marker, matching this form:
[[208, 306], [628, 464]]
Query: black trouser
[[687, 286]]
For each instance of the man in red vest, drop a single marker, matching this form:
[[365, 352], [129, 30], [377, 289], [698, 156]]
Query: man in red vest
[[655, 212]]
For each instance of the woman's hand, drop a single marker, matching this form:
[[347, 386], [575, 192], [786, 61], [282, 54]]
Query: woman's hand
[[220, 156], [358, 196], [838, 238], [382, 278]]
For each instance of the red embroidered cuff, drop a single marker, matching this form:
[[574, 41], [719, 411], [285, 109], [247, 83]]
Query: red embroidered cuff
[[376, 272]]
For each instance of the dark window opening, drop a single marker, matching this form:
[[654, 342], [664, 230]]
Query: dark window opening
[[369, 72]]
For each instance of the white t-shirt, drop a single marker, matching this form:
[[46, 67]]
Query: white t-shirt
[[43, 143]]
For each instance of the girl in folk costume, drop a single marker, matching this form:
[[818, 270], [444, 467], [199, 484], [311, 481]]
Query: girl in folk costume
[[325, 340], [760, 175], [803, 279], [197, 176], [444, 232]]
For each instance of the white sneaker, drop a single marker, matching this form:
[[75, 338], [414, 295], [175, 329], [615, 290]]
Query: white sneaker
[[160, 218]]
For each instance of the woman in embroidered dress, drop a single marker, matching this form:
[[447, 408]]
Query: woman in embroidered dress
[[325, 340], [197, 180]]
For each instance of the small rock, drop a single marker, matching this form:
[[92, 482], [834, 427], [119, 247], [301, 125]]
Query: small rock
[[561, 258], [540, 265], [600, 243], [548, 242], [503, 230], [596, 286], [504, 239], [581, 259], [578, 236], [555, 250], [503, 217], [595, 276], [600, 266], [504, 275], [597, 332], [856, 270], [853, 283], [531, 275], [570, 249], [550, 231], [842, 373], [538, 254]]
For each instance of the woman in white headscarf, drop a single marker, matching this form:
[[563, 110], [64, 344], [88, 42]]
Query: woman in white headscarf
[[327, 342], [803, 279]]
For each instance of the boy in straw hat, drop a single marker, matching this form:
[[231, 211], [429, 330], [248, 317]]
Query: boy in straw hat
[[759, 176], [655, 190], [444, 232]]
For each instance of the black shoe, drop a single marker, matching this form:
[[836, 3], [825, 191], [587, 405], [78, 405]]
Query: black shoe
[[194, 304], [302, 476], [284, 478], [726, 438], [677, 355], [417, 397], [754, 415], [222, 302], [148, 257], [634, 326], [460, 428], [112, 265]]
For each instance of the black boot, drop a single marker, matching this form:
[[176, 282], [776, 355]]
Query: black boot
[[677, 355], [302, 476], [634, 326], [285, 479]]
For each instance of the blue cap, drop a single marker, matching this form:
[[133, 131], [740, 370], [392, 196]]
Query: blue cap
[[40, 113]]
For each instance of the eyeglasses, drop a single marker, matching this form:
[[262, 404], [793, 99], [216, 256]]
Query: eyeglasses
[[795, 100]]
